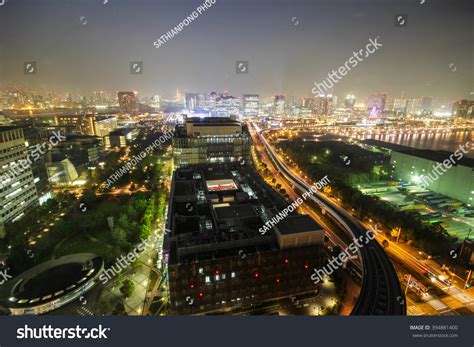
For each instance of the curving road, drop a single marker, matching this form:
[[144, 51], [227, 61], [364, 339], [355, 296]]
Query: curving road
[[381, 293]]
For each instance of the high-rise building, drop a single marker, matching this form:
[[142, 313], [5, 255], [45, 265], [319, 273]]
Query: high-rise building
[[17, 188], [413, 106], [87, 124], [120, 137], [218, 260], [250, 105], [427, 104], [210, 140], [279, 105], [102, 125], [155, 101], [349, 101], [307, 102], [192, 101], [463, 108], [35, 136], [400, 106], [323, 105], [227, 105], [128, 102], [99, 97]]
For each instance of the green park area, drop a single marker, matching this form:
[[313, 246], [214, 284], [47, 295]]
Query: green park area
[[105, 222]]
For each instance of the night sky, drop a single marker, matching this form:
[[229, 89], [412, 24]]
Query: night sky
[[71, 56]]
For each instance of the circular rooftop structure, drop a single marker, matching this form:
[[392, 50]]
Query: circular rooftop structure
[[52, 284]]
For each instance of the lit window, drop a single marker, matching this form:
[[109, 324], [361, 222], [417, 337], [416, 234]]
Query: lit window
[[208, 279], [201, 270], [232, 274]]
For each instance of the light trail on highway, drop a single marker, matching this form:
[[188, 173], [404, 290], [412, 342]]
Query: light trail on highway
[[381, 293]]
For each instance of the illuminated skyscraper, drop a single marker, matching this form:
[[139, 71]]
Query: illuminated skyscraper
[[323, 105], [17, 188], [307, 102], [400, 106], [227, 105], [155, 101], [463, 108], [211, 140], [192, 101], [279, 105], [426, 103], [128, 102], [413, 106], [349, 101], [251, 103]]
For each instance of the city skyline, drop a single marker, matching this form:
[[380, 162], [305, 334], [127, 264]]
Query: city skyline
[[288, 47], [239, 158]]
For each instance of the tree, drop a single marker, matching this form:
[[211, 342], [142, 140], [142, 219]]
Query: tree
[[140, 204], [104, 307], [132, 213], [119, 310], [119, 279], [119, 235], [127, 288], [145, 232], [89, 198]]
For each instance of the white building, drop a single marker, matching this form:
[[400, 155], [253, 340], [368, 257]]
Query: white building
[[250, 105], [17, 189]]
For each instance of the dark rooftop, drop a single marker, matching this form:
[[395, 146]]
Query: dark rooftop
[[121, 131], [207, 120], [237, 211], [438, 156], [209, 226], [297, 224], [52, 279]]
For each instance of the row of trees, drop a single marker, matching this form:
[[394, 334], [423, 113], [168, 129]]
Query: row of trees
[[316, 159], [431, 238]]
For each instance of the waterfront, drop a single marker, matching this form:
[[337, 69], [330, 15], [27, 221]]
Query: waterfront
[[446, 141]]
